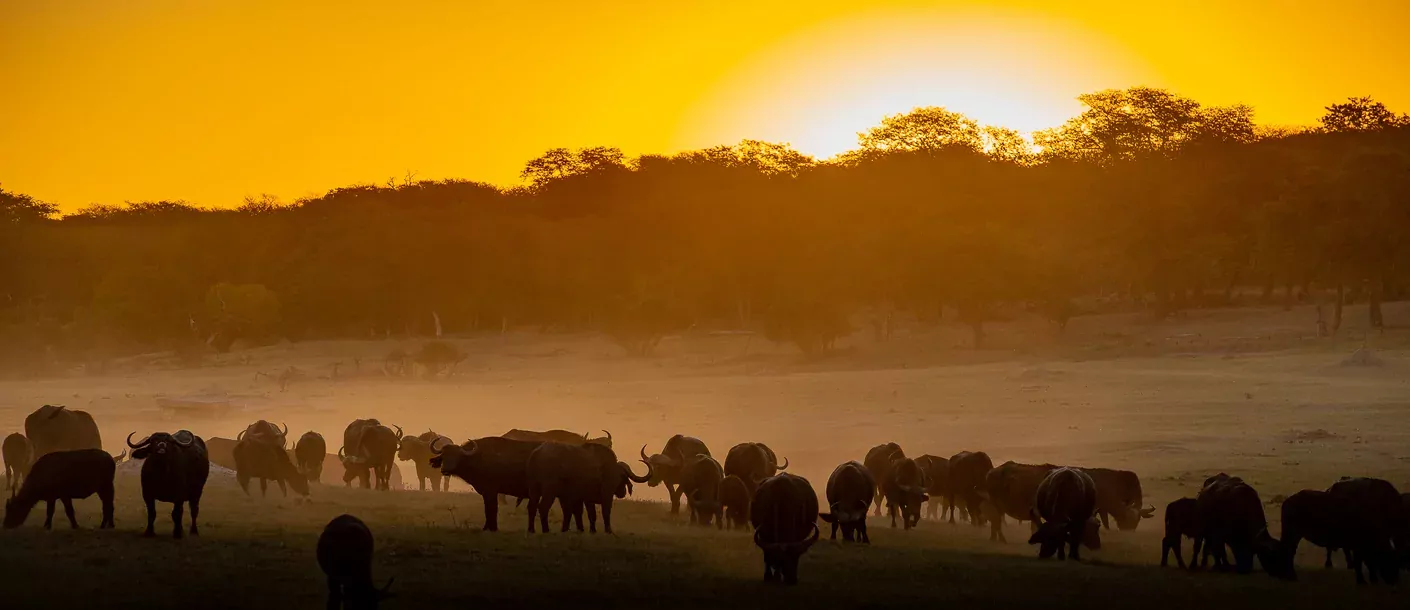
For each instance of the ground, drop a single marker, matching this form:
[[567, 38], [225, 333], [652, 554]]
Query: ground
[[1251, 392]]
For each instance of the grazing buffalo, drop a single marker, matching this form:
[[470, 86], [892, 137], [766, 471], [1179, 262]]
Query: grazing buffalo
[[967, 472], [492, 465], [850, 491], [904, 489], [557, 436], [266, 431], [752, 462], [667, 466], [309, 453], [785, 520], [58, 428], [18, 455], [700, 482], [65, 476], [369, 448], [735, 497], [1361, 516], [878, 462], [174, 470], [577, 476], [1229, 513], [1013, 491], [345, 555], [1066, 509], [1119, 496], [937, 476], [1181, 519], [263, 458], [417, 450]]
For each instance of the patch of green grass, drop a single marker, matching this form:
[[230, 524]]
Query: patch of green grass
[[259, 553]]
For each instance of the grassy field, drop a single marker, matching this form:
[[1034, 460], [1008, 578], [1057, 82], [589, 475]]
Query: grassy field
[[1247, 392]]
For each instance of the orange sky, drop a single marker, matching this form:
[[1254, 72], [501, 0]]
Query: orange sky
[[210, 101]]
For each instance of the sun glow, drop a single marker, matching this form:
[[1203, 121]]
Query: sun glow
[[819, 88]]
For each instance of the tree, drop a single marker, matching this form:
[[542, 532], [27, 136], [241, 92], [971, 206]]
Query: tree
[[1361, 114], [18, 208], [1007, 145], [923, 129], [559, 163], [1125, 124]]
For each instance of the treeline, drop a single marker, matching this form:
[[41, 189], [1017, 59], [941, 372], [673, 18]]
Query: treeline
[[1146, 197]]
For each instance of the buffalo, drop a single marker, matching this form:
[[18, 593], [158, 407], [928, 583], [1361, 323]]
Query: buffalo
[[752, 463], [369, 448], [700, 482], [417, 450], [1361, 516], [1181, 520], [557, 436], [58, 428], [850, 490], [1119, 496], [18, 455], [904, 489], [263, 457], [878, 462], [735, 497], [1013, 490], [1230, 513], [492, 465], [174, 469], [309, 453], [937, 476], [345, 556], [577, 476], [1066, 509], [667, 466], [785, 520], [65, 476], [967, 472], [266, 431]]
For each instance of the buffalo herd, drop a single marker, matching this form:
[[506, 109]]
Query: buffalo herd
[[60, 458]]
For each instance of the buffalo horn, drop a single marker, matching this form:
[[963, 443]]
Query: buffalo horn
[[139, 443], [609, 435], [636, 479], [434, 450], [784, 466], [240, 435], [399, 433]]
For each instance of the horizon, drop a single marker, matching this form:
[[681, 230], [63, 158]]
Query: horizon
[[173, 103]]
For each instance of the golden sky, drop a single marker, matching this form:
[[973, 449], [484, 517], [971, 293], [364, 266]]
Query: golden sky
[[213, 100]]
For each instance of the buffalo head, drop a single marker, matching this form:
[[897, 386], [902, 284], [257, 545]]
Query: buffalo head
[[850, 517], [450, 457], [157, 444], [661, 466], [784, 555]]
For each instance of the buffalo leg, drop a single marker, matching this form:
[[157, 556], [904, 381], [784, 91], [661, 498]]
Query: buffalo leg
[[49, 514], [151, 517], [862, 532], [1076, 542], [675, 492], [1105, 523], [545, 504], [533, 510], [890, 511], [592, 517], [1328, 564], [244, 481], [283, 489], [578, 515], [68, 512], [834, 532], [606, 516], [195, 511], [1196, 560], [491, 511], [1355, 565], [105, 496], [176, 519], [263, 488]]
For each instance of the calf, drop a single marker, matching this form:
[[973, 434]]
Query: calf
[[17, 452], [784, 514], [345, 556], [1066, 509], [65, 476], [174, 469], [850, 490], [417, 450], [1180, 520], [309, 453], [735, 497]]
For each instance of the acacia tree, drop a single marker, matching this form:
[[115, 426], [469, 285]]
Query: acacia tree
[[1361, 114]]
